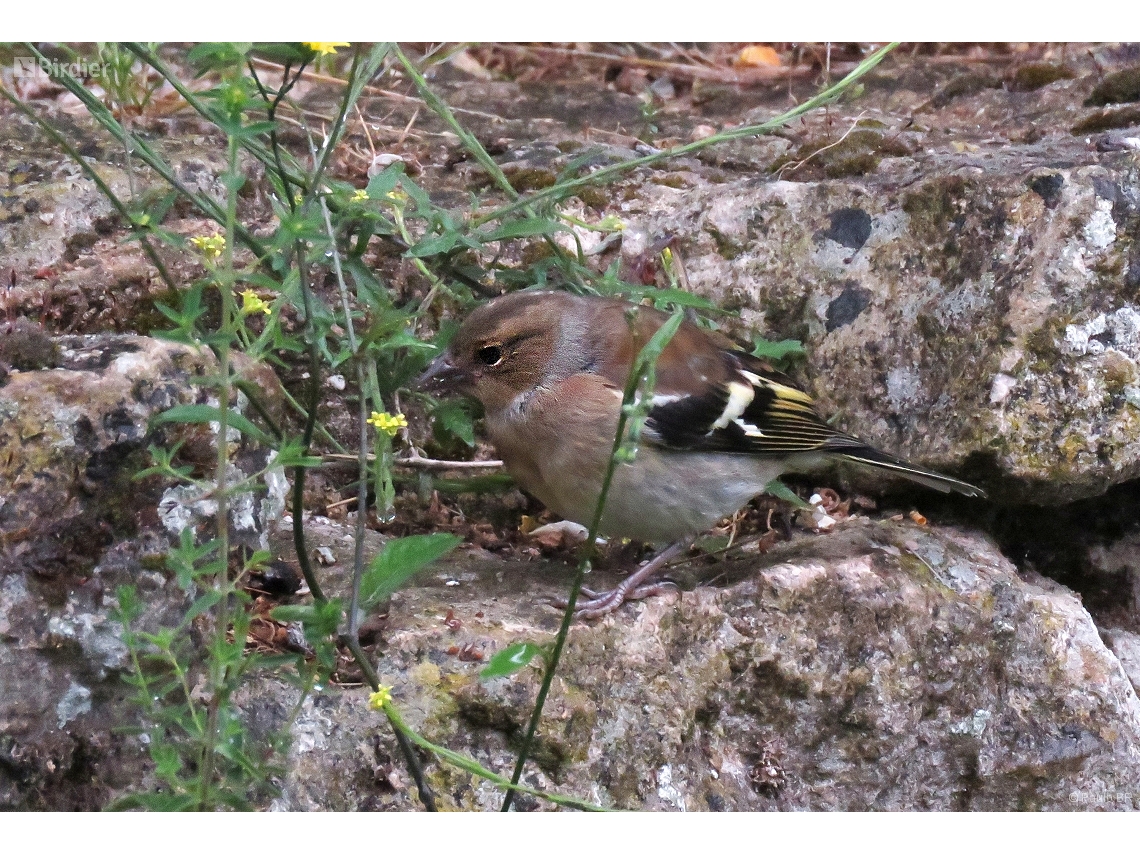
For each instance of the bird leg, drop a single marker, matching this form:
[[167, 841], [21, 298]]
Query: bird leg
[[636, 586]]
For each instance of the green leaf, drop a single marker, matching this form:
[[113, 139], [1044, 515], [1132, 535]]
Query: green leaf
[[510, 659], [385, 181], [130, 605], [291, 454], [659, 341], [780, 490], [319, 620], [419, 198], [201, 605], [293, 614], [522, 228], [283, 52], [434, 245], [212, 56], [453, 417], [712, 543], [204, 414], [777, 350], [398, 560], [167, 763]]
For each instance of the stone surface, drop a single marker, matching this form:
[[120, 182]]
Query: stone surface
[[970, 312], [886, 666], [74, 526], [958, 251]]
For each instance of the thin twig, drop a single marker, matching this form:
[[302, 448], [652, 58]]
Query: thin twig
[[606, 173], [426, 462], [74, 154], [792, 167]]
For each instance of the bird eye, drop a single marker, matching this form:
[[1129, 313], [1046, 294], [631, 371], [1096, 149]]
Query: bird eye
[[490, 355]]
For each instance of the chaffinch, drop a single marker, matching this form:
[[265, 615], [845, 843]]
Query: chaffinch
[[550, 368]]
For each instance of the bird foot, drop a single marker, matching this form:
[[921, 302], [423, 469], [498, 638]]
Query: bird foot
[[637, 586], [603, 603]]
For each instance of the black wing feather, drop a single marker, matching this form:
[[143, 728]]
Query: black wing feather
[[777, 419]]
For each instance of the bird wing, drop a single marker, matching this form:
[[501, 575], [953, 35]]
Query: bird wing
[[751, 410], [712, 396]]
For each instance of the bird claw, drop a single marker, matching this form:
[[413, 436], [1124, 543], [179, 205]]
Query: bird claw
[[602, 604], [637, 586]]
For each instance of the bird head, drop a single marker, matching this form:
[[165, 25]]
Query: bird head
[[504, 348]]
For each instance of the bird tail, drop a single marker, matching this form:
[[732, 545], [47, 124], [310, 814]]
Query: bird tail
[[868, 456]]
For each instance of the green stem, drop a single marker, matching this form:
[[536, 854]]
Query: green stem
[[148, 155], [223, 619], [271, 105], [307, 434], [441, 109], [472, 144], [104, 188], [204, 110], [469, 765], [352, 642], [567, 188], [641, 370], [355, 85]]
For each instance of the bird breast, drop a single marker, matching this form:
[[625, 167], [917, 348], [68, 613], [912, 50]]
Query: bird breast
[[559, 453]]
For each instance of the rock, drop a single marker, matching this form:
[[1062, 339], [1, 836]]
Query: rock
[[74, 526], [960, 260], [1126, 646], [974, 314], [72, 438], [26, 346], [886, 666]]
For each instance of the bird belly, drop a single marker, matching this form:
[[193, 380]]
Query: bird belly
[[661, 496], [653, 499], [658, 499]]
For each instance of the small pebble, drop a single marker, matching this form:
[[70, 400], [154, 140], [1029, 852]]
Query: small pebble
[[381, 162]]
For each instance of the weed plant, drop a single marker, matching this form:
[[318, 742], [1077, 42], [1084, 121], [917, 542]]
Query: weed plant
[[185, 676]]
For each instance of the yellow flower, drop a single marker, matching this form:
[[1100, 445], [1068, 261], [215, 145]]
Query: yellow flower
[[324, 48], [611, 223], [211, 247], [251, 304], [387, 422], [380, 698], [359, 195]]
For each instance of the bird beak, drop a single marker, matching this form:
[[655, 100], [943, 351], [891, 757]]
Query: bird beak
[[442, 376]]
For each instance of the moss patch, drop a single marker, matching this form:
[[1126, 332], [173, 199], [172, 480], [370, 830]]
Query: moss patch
[[1107, 119], [1034, 75], [969, 83], [857, 153], [1120, 87]]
